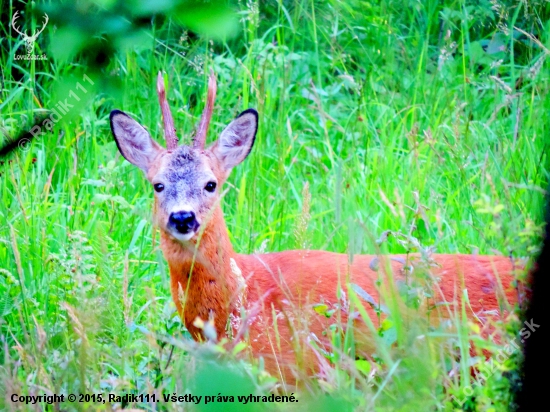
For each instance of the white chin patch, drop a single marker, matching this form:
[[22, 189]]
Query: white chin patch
[[181, 237]]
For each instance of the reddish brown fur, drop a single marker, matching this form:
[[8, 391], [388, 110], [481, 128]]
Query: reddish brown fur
[[290, 283], [279, 290]]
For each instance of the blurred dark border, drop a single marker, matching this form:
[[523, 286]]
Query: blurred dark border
[[532, 394]]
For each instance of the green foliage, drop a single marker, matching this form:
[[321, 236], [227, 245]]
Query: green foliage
[[390, 125]]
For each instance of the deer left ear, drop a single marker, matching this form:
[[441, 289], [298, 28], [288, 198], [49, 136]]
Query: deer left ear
[[237, 139]]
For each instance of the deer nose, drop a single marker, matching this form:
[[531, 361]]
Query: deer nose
[[184, 222]]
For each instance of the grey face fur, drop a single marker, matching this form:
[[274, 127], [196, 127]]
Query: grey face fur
[[187, 180]]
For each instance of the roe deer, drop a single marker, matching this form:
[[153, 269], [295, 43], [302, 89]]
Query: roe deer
[[277, 292]]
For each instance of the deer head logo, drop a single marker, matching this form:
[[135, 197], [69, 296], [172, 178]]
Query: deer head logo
[[29, 40]]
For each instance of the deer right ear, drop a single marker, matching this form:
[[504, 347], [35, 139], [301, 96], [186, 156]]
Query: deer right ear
[[133, 141]]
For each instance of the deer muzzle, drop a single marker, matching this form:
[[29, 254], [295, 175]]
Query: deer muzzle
[[183, 222]]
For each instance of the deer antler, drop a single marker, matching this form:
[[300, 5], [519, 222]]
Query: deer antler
[[14, 18], [200, 137], [36, 33], [169, 129]]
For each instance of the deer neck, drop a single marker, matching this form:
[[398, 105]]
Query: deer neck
[[202, 281]]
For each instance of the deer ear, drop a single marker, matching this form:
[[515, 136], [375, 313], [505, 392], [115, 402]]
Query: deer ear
[[133, 141], [237, 139]]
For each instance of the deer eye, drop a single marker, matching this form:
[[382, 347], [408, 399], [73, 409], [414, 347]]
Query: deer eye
[[159, 187], [210, 187]]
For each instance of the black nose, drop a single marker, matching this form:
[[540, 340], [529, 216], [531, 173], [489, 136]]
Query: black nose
[[184, 222]]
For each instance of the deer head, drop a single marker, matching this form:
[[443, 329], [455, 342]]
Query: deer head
[[186, 179], [29, 40]]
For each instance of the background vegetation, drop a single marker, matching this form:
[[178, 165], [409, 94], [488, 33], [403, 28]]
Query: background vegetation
[[423, 118]]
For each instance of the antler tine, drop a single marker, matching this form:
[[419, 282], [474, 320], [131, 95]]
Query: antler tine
[[46, 20], [14, 18], [200, 137], [169, 129]]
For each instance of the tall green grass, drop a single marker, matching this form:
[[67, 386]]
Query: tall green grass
[[426, 119]]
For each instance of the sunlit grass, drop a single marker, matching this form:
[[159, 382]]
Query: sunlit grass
[[393, 115]]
